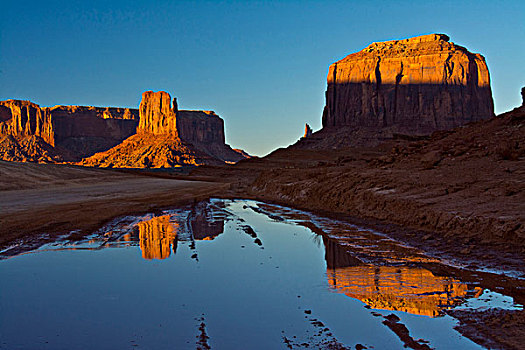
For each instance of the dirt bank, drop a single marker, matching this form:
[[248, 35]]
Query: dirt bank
[[55, 199]]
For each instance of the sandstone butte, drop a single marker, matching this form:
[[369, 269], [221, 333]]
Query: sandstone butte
[[57, 134], [168, 137], [412, 86]]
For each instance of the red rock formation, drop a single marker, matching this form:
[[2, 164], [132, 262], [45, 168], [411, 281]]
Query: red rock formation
[[26, 119], [204, 130], [200, 127], [157, 236], [76, 131], [5, 113], [147, 150], [156, 113], [157, 135], [56, 124], [415, 86], [87, 130], [168, 137], [413, 290]]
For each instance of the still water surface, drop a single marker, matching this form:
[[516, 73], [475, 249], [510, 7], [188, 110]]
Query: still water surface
[[228, 275]]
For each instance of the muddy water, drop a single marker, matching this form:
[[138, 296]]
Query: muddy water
[[231, 275]]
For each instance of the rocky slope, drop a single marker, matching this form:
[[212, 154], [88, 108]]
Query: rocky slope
[[167, 137], [413, 86], [146, 150]]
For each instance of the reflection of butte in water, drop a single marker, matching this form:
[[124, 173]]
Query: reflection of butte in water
[[158, 235], [409, 289]]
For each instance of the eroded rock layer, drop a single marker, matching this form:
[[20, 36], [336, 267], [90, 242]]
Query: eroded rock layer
[[415, 86], [25, 118], [155, 135]]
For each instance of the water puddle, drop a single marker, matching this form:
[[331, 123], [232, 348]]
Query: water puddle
[[234, 274]]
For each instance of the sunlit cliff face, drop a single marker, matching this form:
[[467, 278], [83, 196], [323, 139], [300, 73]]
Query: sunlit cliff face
[[415, 86], [413, 290], [157, 236]]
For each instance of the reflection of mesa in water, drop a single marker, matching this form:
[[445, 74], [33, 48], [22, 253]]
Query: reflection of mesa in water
[[413, 290], [159, 235]]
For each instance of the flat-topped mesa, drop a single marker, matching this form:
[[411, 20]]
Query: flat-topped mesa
[[200, 127], [99, 112], [416, 85], [58, 123], [80, 123]]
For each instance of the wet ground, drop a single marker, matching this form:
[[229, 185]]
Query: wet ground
[[235, 275]]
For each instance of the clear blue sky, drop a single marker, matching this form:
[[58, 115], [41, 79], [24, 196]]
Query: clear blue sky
[[260, 65]]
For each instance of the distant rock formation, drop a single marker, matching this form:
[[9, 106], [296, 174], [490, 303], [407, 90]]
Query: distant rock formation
[[168, 137], [307, 131], [67, 132], [413, 86]]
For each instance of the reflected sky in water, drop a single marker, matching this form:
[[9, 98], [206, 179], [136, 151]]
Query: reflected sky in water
[[247, 274]]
